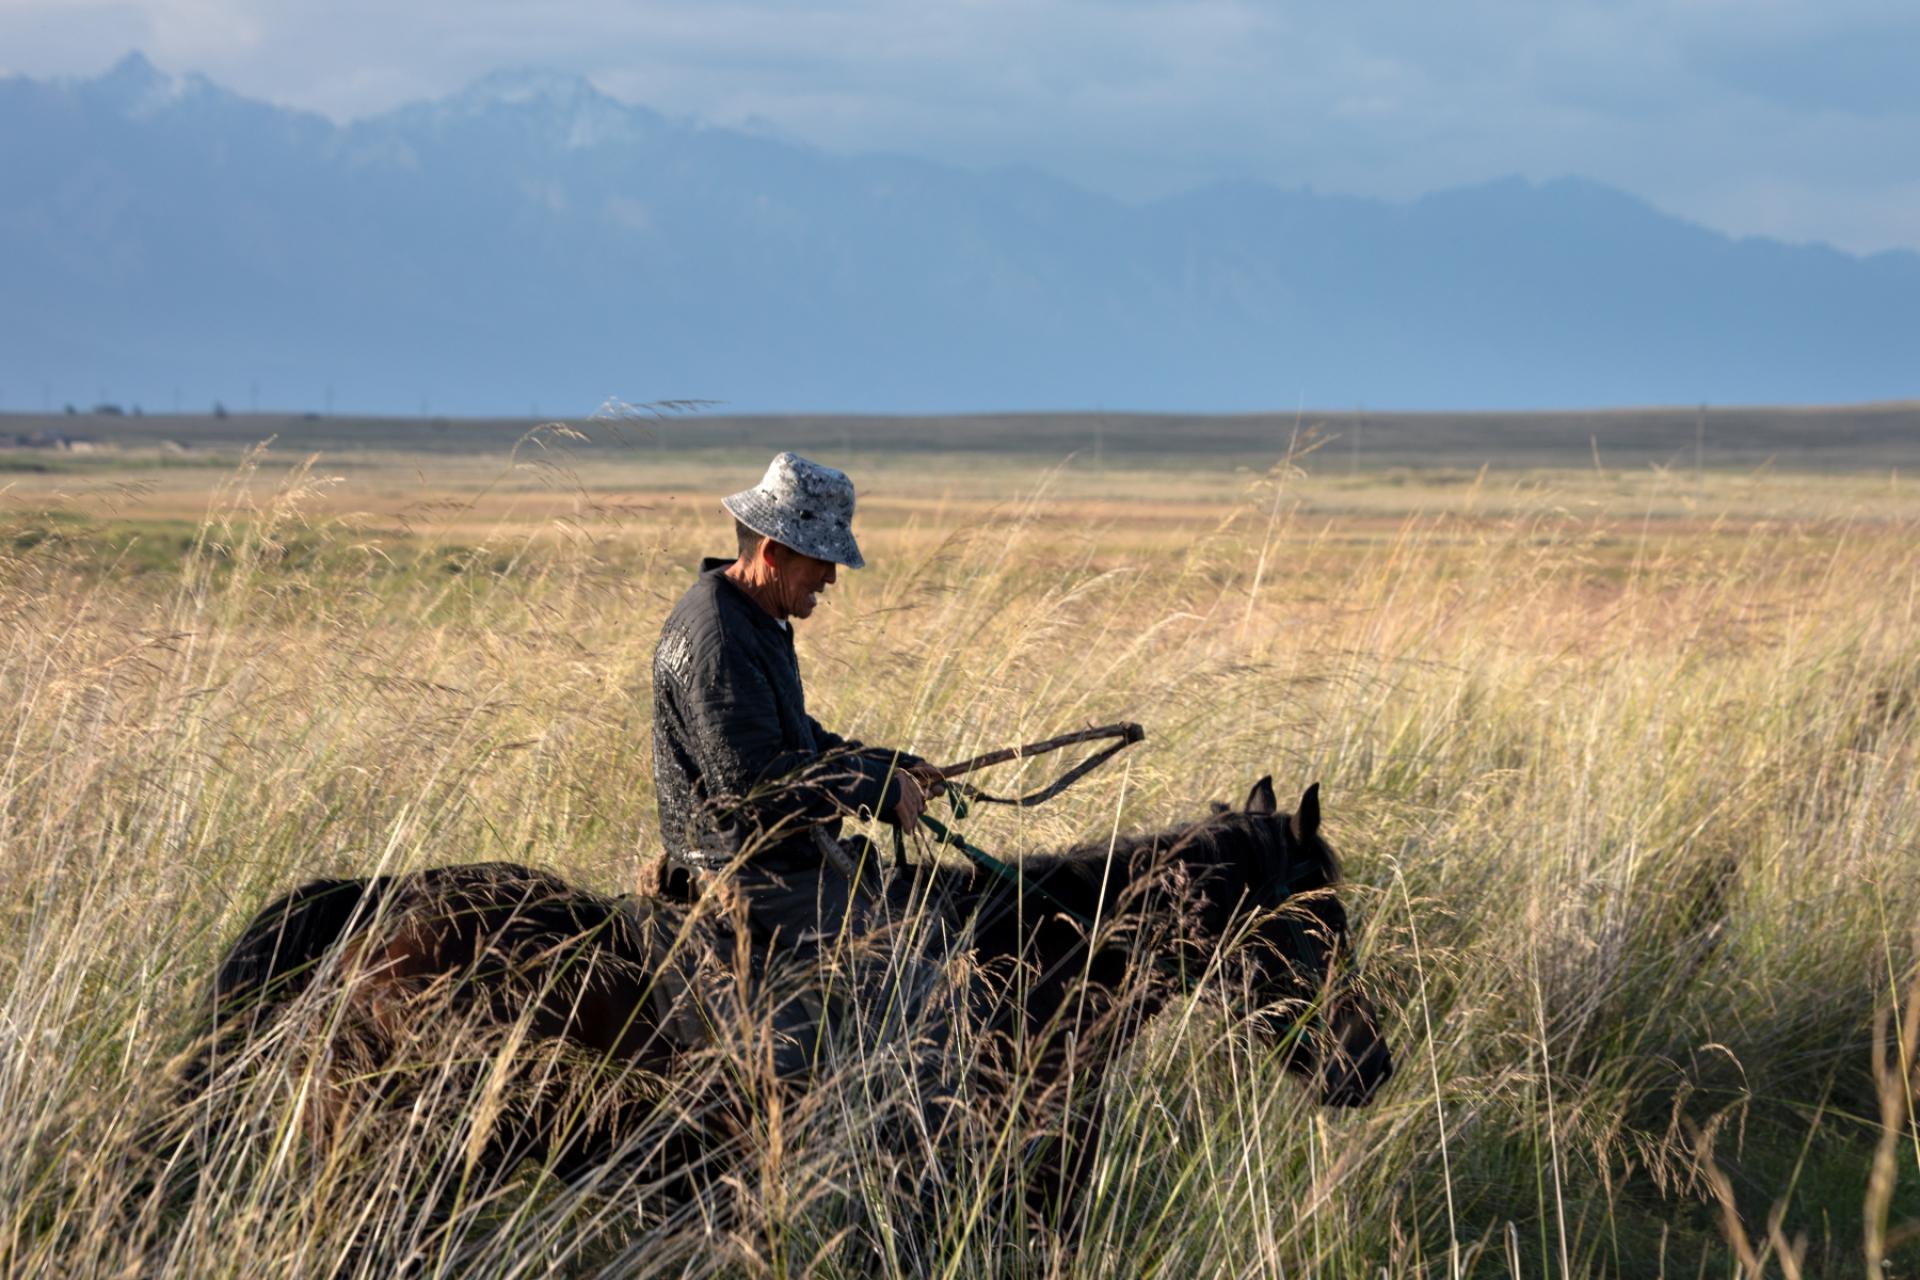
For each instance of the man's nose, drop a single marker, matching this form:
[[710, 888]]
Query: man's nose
[[833, 573]]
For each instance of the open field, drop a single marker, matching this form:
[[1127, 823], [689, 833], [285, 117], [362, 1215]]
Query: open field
[[1810, 438], [1622, 756]]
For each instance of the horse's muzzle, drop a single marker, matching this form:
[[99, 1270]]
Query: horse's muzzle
[[1356, 1062]]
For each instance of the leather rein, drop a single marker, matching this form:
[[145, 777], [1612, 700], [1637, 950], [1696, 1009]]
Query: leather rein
[[1124, 734]]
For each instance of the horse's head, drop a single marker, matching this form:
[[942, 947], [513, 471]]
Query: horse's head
[[1294, 955]]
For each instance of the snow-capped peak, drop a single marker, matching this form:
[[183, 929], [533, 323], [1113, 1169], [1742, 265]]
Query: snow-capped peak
[[569, 106]]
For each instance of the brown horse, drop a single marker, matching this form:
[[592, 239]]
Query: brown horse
[[582, 998], [1243, 903], [614, 998]]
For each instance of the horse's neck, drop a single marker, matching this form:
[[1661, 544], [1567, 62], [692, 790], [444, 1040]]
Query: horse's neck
[[1155, 907], [1171, 882]]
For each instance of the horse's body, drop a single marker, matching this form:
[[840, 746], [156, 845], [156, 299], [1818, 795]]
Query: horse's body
[[448, 960], [1076, 953]]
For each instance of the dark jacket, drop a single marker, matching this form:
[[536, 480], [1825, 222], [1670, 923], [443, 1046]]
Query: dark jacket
[[737, 761]]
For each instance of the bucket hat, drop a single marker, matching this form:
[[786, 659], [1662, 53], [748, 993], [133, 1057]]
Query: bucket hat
[[803, 505]]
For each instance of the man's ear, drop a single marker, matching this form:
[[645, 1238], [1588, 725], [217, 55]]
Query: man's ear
[[1305, 823], [772, 557], [1260, 799]]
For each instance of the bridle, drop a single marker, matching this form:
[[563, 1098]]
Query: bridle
[[1298, 949]]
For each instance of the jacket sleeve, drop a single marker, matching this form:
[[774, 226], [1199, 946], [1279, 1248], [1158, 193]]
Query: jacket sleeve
[[890, 758], [734, 723]]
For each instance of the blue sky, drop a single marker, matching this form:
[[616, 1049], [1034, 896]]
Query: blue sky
[[1790, 118]]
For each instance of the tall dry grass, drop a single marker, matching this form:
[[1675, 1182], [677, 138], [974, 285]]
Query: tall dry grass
[[1629, 811]]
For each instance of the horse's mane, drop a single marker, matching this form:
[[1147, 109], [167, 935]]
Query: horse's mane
[[1089, 861], [1093, 863]]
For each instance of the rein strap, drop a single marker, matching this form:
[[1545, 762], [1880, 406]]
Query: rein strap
[[1124, 735]]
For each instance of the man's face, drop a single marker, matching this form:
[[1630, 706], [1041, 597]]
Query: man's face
[[799, 579]]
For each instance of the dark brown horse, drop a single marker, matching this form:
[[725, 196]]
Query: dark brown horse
[[1242, 904], [583, 998], [615, 997]]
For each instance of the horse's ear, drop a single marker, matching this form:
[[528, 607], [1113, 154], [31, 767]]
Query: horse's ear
[[1305, 822], [1260, 799]]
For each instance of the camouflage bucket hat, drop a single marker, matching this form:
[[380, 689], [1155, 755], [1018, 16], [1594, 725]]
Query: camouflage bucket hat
[[803, 505]]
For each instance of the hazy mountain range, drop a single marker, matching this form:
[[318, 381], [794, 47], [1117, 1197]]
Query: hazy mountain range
[[531, 241]]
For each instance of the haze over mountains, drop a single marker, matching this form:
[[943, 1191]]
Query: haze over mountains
[[531, 241]]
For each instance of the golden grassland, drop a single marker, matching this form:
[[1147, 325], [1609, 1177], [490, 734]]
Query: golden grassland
[[1622, 766]]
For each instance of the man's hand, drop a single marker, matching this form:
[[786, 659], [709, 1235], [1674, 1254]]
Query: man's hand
[[912, 802], [917, 783]]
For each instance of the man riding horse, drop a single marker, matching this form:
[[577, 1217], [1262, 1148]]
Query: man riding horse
[[749, 784], [587, 1010]]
